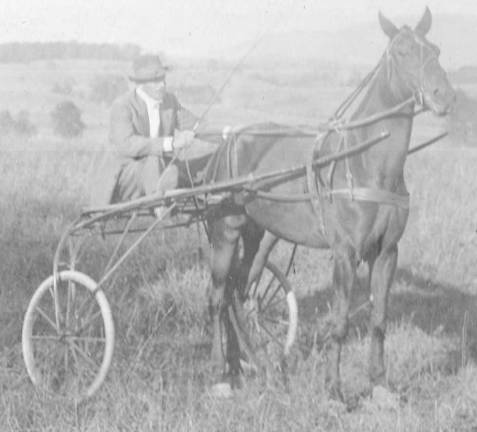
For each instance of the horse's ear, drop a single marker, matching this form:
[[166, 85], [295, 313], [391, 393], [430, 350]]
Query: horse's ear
[[388, 27], [424, 25]]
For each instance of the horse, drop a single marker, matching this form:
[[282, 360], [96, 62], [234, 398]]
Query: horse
[[358, 206]]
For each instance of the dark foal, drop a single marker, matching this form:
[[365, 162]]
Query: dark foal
[[361, 203]]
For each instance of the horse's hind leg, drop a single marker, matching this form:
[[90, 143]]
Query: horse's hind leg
[[252, 235], [344, 281], [224, 238], [381, 279], [260, 259]]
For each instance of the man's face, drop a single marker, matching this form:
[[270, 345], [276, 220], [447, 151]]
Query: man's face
[[155, 89]]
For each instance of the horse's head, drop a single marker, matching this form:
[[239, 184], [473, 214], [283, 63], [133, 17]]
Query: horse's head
[[413, 65]]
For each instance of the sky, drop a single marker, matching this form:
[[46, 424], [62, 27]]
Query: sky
[[196, 27]]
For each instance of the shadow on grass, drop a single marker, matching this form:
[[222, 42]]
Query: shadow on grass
[[436, 306], [433, 306]]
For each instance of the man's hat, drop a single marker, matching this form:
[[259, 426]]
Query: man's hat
[[147, 68]]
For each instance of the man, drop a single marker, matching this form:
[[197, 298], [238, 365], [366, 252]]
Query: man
[[148, 128]]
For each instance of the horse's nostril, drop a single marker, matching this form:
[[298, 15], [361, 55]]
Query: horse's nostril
[[436, 92]]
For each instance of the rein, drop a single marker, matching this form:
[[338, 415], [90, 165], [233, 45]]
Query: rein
[[271, 196], [317, 188], [337, 124], [341, 125]]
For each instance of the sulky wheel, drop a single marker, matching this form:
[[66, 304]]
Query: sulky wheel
[[269, 313], [68, 336]]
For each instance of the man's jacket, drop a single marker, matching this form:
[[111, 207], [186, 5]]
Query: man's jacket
[[129, 138]]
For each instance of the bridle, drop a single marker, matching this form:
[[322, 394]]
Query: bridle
[[320, 189], [418, 92]]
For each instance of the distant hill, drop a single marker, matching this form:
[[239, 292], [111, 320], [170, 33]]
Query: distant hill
[[464, 75], [18, 52], [363, 44]]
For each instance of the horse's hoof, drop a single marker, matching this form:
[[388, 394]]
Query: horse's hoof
[[384, 398], [222, 390]]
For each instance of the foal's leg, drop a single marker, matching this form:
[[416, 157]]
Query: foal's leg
[[381, 280], [344, 280], [224, 237]]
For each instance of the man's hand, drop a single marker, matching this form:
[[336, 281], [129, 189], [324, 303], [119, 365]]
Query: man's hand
[[182, 139], [227, 131]]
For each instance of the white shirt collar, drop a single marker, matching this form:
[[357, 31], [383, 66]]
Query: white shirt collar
[[148, 100]]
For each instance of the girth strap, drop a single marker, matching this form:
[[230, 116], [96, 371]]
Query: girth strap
[[378, 196]]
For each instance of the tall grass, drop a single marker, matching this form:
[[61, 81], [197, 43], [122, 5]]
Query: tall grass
[[440, 240], [161, 372], [160, 376]]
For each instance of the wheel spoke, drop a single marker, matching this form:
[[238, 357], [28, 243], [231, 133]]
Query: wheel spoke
[[88, 339], [82, 369], [90, 321], [272, 305], [85, 357], [275, 321], [256, 284], [46, 317], [250, 314], [269, 301], [45, 337], [264, 327], [86, 302], [70, 301], [48, 352], [270, 283], [55, 292], [75, 357], [78, 365]]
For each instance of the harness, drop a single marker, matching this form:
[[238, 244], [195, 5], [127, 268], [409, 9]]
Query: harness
[[319, 188]]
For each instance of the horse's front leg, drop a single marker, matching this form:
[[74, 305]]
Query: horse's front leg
[[224, 238], [381, 279], [344, 281]]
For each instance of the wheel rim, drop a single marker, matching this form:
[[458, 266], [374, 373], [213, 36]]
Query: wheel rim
[[68, 336]]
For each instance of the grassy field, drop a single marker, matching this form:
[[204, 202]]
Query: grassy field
[[160, 377]]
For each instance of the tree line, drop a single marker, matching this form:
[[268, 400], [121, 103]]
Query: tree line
[[15, 52]]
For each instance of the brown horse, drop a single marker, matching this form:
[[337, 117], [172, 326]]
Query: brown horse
[[358, 207]]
